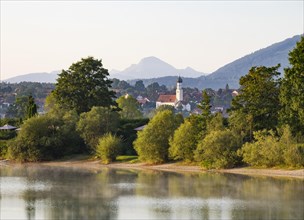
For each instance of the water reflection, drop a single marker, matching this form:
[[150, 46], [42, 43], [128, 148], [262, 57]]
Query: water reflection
[[35, 192]]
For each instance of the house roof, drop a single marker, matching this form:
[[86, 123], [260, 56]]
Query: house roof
[[7, 127], [140, 128], [166, 98]]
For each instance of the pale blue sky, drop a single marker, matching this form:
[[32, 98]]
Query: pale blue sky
[[42, 36]]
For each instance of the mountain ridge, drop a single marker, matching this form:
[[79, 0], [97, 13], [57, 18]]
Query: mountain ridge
[[165, 74]]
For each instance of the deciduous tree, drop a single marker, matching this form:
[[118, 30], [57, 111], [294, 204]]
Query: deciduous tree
[[259, 97], [292, 91], [153, 142], [84, 85]]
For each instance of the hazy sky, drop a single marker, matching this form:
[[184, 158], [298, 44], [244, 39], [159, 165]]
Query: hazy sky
[[42, 36]]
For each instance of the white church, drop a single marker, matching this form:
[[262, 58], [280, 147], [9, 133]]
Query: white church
[[174, 100]]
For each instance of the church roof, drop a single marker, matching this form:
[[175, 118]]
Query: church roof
[[166, 98], [179, 80]]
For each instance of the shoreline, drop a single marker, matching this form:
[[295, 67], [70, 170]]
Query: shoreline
[[96, 165]]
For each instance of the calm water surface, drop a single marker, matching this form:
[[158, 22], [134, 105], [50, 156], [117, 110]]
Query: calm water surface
[[37, 192]]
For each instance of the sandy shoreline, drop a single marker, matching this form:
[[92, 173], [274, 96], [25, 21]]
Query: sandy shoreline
[[96, 165]]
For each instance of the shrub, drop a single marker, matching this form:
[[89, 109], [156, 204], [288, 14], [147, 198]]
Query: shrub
[[269, 150], [184, 142], [95, 123], [108, 148], [218, 150], [153, 142], [45, 137], [264, 152]]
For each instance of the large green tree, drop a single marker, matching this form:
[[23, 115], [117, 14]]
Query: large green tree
[[84, 85], [292, 90], [153, 142], [259, 97]]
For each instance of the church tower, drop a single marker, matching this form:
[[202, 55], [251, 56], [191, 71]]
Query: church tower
[[179, 90]]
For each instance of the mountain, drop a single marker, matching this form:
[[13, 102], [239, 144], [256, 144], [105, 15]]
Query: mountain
[[35, 77], [269, 56], [166, 74], [152, 66]]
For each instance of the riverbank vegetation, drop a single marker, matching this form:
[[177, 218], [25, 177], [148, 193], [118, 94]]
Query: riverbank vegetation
[[265, 127]]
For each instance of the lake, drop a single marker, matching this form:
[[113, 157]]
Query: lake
[[41, 192]]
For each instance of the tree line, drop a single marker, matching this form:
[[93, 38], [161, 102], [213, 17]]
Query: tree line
[[265, 126]]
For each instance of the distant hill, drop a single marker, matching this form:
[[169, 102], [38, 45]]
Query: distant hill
[[152, 66], [35, 77], [269, 56], [166, 74], [232, 72]]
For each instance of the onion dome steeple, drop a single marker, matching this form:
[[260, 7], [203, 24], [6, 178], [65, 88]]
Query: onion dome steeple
[[179, 80]]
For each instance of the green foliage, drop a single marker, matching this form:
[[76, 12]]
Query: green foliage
[[241, 125], [292, 91], [108, 148], [83, 86], [128, 134], [264, 152], [215, 123], [205, 106], [184, 141], [129, 107], [44, 138], [18, 108], [31, 108], [259, 97], [268, 150], [3, 149], [153, 142], [95, 123], [139, 86], [218, 150]]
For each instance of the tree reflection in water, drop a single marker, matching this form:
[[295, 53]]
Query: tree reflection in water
[[70, 193]]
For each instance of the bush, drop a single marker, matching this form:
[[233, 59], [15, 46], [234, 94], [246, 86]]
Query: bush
[[268, 150], [95, 123], [218, 150], [184, 142], [45, 137], [3, 149], [294, 155], [264, 152], [153, 142], [108, 148]]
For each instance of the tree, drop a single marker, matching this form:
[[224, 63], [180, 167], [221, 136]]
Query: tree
[[153, 142], [205, 106], [184, 141], [292, 91], [218, 150], [270, 150], [259, 97], [139, 86], [44, 138], [108, 148], [84, 85], [31, 109], [129, 107], [95, 123], [18, 108], [153, 91]]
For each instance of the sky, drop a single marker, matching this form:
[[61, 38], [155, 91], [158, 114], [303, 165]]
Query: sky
[[44, 36]]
